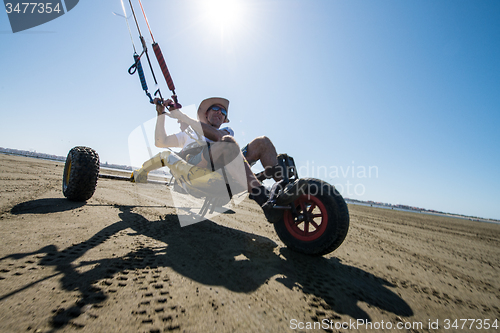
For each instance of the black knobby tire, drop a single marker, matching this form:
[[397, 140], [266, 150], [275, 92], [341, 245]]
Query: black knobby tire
[[322, 221], [81, 172]]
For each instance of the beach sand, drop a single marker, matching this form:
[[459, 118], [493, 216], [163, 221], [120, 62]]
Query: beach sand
[[122, 263]]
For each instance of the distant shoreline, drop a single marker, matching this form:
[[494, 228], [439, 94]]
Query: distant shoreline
[[422, 211], [49, 157], [34, 154]]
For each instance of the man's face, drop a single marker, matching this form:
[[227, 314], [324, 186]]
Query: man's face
[[216, 118]]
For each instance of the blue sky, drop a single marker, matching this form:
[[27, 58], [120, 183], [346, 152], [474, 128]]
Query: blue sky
[[406, 90]]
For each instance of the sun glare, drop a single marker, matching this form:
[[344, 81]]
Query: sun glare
[[225, 14]]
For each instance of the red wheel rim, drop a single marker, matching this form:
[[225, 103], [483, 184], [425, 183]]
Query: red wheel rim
[[311, 221]]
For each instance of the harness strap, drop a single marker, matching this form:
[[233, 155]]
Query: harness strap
[[211, 158], [223, 169]]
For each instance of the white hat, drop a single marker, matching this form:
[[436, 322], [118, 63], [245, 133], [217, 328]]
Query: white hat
[[207, 103]]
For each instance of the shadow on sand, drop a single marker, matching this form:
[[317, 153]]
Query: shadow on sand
[[205, 252], [45, 206]]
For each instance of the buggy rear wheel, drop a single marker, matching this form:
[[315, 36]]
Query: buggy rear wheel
[[320, 222], [81, 172]]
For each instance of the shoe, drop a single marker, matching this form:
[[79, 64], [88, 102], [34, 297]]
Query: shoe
[[273, 194], [273, 215], [291, 192], [262, 197], [139, 176]]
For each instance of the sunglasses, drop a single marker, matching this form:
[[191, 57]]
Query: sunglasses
[[218, 108]]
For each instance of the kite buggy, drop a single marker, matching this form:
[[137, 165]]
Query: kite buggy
[[312, 220]]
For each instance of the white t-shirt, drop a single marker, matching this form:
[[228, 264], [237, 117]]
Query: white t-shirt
[[185, 140]]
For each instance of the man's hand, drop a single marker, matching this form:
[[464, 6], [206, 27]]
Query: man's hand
[[173, 111], [160, 107], [173, 105]]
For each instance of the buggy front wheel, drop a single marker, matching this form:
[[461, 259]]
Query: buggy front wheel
[[319, 223]]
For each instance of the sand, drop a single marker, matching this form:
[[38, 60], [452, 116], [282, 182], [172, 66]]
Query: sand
[[122, 263]]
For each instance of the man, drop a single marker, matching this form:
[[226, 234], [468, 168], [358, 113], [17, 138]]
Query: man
[[222, 148]]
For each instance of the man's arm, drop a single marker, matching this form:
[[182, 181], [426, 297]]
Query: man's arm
[[162, 140], [209, 132]]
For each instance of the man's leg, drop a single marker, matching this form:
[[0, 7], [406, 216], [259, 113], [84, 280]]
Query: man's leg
[[262, 149], [224, 152], [141, 175]]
